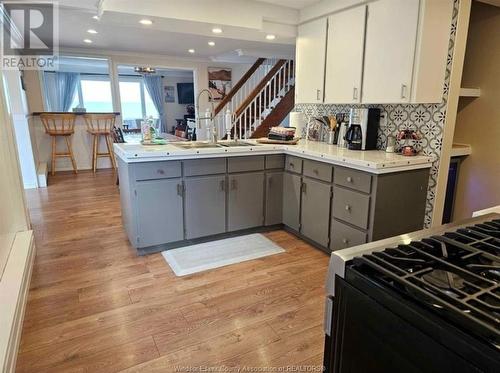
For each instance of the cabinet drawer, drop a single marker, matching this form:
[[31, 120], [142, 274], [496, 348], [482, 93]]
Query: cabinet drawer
[[350, 206], [275, 161], [157, 170], [318, 170], [353, 179], [242, 164], [198, 167], [293, 164], [344, 236]]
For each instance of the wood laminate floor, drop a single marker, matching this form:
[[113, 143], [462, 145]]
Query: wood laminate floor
[[94, 306]]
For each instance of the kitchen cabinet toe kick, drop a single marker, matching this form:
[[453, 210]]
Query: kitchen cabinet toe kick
[[171, 204]]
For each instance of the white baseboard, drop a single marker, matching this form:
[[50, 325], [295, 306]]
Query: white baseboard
[[14, 288]]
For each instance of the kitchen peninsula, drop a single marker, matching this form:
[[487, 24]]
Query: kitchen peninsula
[[179, 194]]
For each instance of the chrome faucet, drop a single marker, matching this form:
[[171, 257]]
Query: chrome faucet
[[211, 118]]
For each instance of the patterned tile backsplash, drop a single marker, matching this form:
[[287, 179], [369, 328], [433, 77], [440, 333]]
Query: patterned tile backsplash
[[427, 119]]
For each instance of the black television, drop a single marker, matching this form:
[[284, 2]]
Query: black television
[[185, 93]]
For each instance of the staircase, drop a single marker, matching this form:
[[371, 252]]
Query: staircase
[[260, 100]]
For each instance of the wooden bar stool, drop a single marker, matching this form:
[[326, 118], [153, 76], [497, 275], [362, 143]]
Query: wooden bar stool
[[101, 125], [60, 125]]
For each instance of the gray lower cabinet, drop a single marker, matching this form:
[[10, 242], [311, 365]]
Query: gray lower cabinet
[[292, 185], [315, 212], [274, 198], [245, 201], [159, 212], [205, 206]]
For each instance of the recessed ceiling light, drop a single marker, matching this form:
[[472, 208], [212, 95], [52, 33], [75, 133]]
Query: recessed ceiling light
[[146, 22], [191, 50], [270, 37], [88, 41], [217, 30], [92, 31], [97, 18], [211, 43]]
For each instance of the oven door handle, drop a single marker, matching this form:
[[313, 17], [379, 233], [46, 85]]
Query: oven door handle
[[327, 325]]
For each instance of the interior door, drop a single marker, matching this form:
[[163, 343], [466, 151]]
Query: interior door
[[391, 33], [159, 212], [344, 60], [205, 206], [310, 70], [246, 201]]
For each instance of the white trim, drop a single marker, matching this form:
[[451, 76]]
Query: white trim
[[14, 287]]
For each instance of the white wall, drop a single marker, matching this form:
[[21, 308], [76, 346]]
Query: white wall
[[174, 110]]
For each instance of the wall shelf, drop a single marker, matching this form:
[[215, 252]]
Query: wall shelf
[[460, 150], [470, 92]]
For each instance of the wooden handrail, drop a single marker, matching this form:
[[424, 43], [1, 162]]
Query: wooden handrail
[[259, 87], [238, 85]]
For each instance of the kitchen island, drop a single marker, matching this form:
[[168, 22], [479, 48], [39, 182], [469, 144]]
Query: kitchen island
[[179, 194]]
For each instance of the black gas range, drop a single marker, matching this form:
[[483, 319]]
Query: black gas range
[[430, 302]]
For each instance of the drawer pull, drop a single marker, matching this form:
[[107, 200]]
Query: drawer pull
[[160, 171], [349, 179], [180, 189], [347, 208], [222, 185], [345, 241], [315, 171], [304, 188], [291, 165]]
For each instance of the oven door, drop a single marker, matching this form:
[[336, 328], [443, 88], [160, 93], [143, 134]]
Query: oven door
[[369, 337]]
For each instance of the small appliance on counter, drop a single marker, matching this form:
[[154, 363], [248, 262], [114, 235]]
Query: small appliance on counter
[[363, 129], [427, 301]]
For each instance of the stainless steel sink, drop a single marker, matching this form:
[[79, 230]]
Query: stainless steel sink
[[231, 144], [197, 145]]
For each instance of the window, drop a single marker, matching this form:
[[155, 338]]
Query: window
[[94, 94], [136, 102]]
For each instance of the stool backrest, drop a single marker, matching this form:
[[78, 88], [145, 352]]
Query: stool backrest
[[102, 123], [56, 124]]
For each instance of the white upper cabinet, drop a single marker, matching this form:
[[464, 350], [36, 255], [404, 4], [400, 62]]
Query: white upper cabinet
[[344, 60], [310, 69], [391, 33]]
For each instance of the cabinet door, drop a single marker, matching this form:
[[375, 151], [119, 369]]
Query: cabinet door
[[205, 206], [246, 201], [291, 200], [310, 70], [315, 212], [274, 198], [391, 34], [159, 212], [344, 60]]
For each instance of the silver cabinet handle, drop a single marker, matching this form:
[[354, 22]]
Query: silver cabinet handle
[[222, 185], [270, 181], [347, 208], [234, 184], [304, 188], [318, 94], [354, 93], [403, 90], [160, 171], [349, 179], [179, 190], [315, 171], [345, 241]]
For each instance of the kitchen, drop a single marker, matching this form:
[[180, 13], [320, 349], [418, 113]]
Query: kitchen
[[235, 230]]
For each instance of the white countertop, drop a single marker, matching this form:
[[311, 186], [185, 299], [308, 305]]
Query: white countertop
[[374, 161]]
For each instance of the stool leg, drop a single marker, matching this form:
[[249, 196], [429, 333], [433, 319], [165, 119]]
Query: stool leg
[[109, 144], [70, 151], [53, 170], [96, 150]]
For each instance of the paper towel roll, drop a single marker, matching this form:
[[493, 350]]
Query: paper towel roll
[[298, 120]]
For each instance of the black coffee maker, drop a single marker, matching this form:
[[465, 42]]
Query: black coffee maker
[[363, 129]]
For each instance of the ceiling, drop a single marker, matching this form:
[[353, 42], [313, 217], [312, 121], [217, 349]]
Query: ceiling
[[173, 33], [296, 4]]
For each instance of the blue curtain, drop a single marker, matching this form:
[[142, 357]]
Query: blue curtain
[[154, 86], [60, 88]]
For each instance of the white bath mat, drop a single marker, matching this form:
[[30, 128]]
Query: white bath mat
[[197, 258]]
